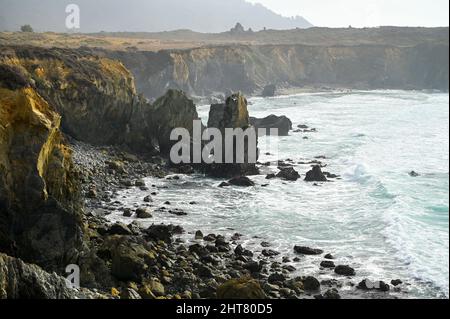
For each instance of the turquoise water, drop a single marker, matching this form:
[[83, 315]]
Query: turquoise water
[[377, 218]]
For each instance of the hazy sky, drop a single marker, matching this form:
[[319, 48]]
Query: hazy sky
[[361, 13]]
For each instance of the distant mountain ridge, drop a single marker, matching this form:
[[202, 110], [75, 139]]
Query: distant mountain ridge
[[144, 15]]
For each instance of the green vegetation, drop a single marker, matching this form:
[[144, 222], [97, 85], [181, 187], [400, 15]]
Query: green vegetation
[[26, 28]]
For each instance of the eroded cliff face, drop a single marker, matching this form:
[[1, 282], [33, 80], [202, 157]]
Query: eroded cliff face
[[43, 94], [209, 71], [40, 219]]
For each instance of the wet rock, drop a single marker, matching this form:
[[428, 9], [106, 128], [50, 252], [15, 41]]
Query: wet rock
[[200, 250], [414, 174], [330, 175], [119, 229], [243, 288], [269, 253], [271, 176], [224, 184], [127, 212], [344, 270], [396, 282], [265, 244], [148, 199], [331, 294], [162, 232], [281, 123], [253, 266], [367, 284], [242, 181], [209, 237], [143, 213], [289, 268], [311, 283], [177, 212], [276, 278], [239, 250], [289, 174], [327, 264], [315, 175], [329, 256], [139, 183], [307, 250], [126, 182], [198, 235]]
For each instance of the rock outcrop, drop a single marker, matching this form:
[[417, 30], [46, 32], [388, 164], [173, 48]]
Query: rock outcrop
[[40, 219], [281, 123], [96, 97], [315, 175], [173, 110], [234, 115], [19, 280]]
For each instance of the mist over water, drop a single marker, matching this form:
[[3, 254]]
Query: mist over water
[[376, 218]]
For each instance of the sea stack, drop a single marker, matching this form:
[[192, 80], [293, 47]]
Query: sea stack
[[233, 115]]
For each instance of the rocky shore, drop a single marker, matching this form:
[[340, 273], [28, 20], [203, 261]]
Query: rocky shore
[[73, 134], [157, 262]]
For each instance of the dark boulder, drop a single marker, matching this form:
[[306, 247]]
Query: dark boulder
[[119, 229], [288, 173], [327, 264], [311, 283], [242, 181], [307, 250], [162, 232], [344, 270], [396, 282], [281, 123], [315, 175]]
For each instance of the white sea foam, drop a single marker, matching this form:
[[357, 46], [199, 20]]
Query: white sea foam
[[385, 223]]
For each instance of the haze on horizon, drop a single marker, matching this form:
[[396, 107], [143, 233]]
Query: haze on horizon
[[365, 13]]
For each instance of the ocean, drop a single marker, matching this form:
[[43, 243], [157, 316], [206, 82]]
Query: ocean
[[376, 217]]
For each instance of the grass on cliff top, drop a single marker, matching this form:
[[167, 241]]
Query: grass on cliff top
[[185, 39]]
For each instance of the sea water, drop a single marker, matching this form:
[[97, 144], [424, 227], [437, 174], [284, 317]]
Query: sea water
[[376, 217]]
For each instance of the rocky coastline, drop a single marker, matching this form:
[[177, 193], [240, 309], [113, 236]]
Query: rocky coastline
[[73, 133]]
